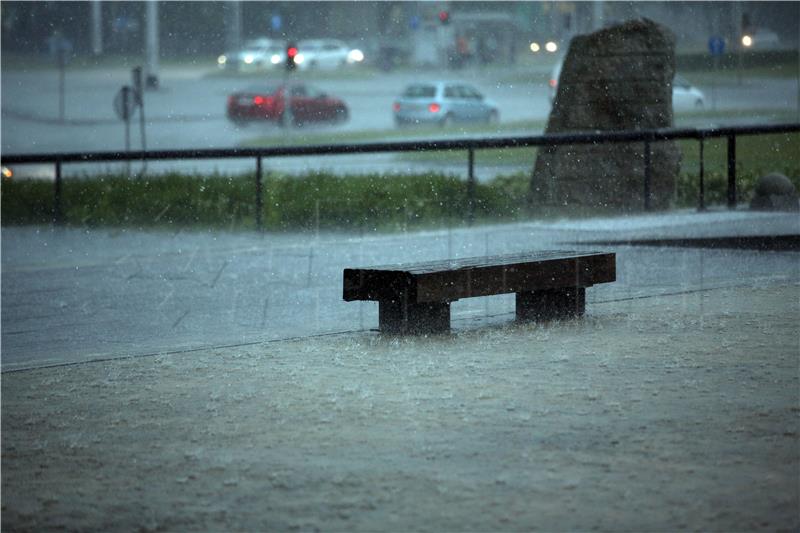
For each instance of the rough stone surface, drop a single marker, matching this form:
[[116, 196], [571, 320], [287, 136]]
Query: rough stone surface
[[619, 78], [775, 192]]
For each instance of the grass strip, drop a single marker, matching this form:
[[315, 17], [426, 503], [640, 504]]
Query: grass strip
[[315, 200], [364, 202]]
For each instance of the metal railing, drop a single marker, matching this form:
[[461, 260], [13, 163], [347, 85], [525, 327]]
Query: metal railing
[[647, 137]]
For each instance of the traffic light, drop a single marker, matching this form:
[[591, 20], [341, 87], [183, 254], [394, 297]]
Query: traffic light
[[291, 53], [444, 18]]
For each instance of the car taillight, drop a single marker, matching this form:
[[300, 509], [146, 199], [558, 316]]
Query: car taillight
[[396, 107], [434, 108], [258, 100], [553, 82]]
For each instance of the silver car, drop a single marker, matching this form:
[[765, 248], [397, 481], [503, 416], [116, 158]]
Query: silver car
[[443, 103]]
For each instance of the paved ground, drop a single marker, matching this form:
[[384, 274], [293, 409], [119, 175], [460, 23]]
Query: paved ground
[[672, 405], [665, 413]]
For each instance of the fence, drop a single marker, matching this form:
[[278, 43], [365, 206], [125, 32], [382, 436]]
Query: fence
[[470, 145]]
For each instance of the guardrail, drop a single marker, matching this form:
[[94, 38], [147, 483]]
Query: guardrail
[[470, 145]]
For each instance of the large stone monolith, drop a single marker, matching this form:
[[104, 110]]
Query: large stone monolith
[[619, 78]]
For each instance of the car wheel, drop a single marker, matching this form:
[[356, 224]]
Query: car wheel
[[447, 121]]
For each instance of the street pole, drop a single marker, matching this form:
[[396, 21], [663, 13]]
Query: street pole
[[233, 24], [97, 28], [151, 63], [597, 15], [737, 32], [138, 88], [61, 81]]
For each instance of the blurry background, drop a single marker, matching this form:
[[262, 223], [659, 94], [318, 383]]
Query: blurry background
[[198, 29]]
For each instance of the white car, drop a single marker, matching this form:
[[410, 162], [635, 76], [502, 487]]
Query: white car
[[684, 95], [256, 54], [325, 54]]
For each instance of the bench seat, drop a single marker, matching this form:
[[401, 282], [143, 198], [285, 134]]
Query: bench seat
[[415, 298]]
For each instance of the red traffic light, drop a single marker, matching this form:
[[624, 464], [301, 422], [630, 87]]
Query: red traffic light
[[444, 17], [291, 51]]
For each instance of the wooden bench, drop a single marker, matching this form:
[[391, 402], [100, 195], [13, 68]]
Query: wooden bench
[[415, 298]]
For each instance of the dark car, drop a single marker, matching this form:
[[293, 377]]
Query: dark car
[[268, 103]]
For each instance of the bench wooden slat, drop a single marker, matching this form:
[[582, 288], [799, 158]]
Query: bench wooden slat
[[438, 281]]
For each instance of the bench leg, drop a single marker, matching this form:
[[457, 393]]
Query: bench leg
[[400, 317], [551, 304]]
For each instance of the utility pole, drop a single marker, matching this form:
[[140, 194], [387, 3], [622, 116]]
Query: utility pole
[[597, 15], [97, 28], [151, 48], [233, 24]]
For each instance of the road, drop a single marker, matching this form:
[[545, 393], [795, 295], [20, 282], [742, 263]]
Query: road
[[187, 111], [73, 294]]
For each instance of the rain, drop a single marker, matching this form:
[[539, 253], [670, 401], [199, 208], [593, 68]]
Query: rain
[[185, 185]]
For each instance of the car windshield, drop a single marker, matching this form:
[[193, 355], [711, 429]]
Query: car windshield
[[680, 81], [263, 89], [420, 91]]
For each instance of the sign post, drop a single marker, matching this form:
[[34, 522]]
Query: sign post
[[61, 50], [138, 93], [124, 106]]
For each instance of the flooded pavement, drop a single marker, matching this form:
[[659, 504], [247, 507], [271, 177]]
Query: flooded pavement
[[651, 414], [72, 295]]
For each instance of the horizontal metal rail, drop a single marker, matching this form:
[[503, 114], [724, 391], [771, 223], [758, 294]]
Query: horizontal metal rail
[[596, 137], [647, 137]]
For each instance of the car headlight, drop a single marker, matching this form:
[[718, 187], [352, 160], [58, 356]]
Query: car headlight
[[299, 58], [535, 47], [248, 58], [551, 46], [355, 56], [221, 60], [275, 59]]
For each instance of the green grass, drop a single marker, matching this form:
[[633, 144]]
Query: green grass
[[315, 200], [526, 156], [756, 156], [298, 136]]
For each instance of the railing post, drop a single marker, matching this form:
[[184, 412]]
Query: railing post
[[58, 215], [647, 175], [702, 199], [471, 187], [732, 171], [259, 199]]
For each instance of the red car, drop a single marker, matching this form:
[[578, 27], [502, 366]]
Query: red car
[[268, 102]]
